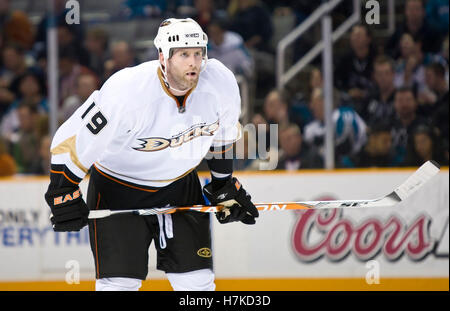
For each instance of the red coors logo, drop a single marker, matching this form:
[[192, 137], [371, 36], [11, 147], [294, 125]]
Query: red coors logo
[[327, 233]]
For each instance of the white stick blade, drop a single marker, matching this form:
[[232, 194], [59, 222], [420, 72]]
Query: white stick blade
[[99, 214], [417, 180]]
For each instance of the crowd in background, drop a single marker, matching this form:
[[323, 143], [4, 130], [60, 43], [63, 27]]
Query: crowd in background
[[390, 96]]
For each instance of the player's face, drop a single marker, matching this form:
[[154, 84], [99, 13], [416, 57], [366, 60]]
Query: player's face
[[183, 68]]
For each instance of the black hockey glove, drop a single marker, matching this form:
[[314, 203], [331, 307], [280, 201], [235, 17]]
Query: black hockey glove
[[237, 202], [69, 212]]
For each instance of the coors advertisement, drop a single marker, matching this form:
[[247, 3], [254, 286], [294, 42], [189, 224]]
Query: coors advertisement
[[332, 235]]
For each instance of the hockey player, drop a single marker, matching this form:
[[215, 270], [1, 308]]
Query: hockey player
[[141, 136]]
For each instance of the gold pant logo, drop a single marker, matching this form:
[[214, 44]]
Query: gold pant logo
[[204, 252]]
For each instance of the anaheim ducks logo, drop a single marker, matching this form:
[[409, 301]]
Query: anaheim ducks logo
[[159, 143]]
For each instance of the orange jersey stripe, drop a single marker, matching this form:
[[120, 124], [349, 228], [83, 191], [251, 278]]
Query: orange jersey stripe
[[67, 177]]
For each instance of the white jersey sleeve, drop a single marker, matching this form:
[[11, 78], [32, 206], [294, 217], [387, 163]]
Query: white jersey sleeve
[[230, 108], [81, 140]]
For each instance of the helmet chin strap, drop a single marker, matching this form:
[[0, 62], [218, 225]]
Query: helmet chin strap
[[166, 81], [172, 88]]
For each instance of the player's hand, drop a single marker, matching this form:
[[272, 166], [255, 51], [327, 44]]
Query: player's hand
[[69, 211], [236, 201]]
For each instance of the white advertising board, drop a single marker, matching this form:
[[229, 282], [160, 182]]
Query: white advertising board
[[409, 240]]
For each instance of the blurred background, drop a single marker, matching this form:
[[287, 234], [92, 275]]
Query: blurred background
[[389, 84], [369, 91]]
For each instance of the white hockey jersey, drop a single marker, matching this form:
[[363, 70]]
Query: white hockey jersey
[[132, 128]]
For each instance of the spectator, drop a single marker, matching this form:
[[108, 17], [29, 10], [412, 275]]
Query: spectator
[[354, 71], [253, 22], [423, 147], [437, 16], [349, 129], [67, 39], [96, 44], [276, 110], [438, 86], [41, 165], [417, 26], [86, 84], [378, 151], [380, 102], [229, 48], [293, 156], [14, 66], [42, 125], [25, 146], [122, 56], [45, 155], [31, 90], [15, 26], [69, 70], [437, 107], [303, 96], [7, 164], [405, 120], [300, 103], [409, 69]]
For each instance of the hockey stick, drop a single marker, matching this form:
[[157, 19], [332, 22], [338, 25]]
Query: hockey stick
[[406, 189]]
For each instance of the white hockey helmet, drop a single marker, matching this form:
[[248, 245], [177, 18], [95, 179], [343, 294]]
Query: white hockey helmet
[[180, 33]]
